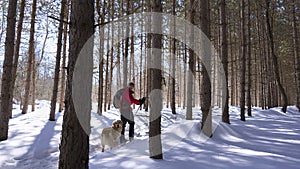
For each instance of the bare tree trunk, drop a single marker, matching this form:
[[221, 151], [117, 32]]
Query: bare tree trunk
[[184, 76], [101, 55], [260, 65], [107, 85], [173, 43], [30, 59], [296, 53], [16, 53], [232, 61], [132, 57], [190, 83], [155, 146], [125, 65], [74, 146], [57, 63], [168, 86], [111, 55], [274, 58], [63, 71], [249, 61], [224, 54], [148, 54], [236, 61], [34, 70], [141, 55], [206, 125], [7, 70], [243, 62]]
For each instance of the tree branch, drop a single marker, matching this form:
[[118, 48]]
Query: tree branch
[[52, 17]]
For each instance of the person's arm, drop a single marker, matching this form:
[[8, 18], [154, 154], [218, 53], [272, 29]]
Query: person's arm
[[133, 100]]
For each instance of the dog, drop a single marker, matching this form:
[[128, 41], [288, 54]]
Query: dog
[[110, 135]]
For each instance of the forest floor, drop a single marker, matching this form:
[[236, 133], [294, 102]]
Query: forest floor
[[269, 139]]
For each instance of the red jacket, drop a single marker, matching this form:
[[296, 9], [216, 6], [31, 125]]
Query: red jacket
[[128, 99]]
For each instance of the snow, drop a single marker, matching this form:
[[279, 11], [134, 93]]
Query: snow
[[269, 139]]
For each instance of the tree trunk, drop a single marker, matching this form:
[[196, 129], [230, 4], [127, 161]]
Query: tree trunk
[[57, 63], [63, 71], [249, 61], [7, 70], [141, 55], [184, 76], [107, 85], [16, 53], [243, 62], [111, 54], [206, 124], [30, 59], [232, 83], [34, 70], [101, 56], [173, 43], [125, 64], [274, 58], [155, 146], [296, 53], [148, 54], [190, 82], [224, 54], [74, 147]]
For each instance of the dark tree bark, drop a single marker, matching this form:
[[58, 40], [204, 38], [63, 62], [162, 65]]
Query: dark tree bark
[[30, 59], [148, 53], [125, 63], [63, 65], [7, 69], [249, 61], [101, 55], [274, 57], [57, 63], [243, 62], [107, 86], [296, 53], [224, 56], [206, 84], [173, 43], [74, 147], [17, 52], [190, 82], [155, 146], [33, 83], [111, 55]]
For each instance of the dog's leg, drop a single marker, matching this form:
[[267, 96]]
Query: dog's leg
[[103, 146]]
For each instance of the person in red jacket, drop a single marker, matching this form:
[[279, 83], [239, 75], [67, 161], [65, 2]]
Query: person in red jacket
[[126, 111]]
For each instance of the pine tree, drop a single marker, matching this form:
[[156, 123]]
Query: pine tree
[[224, 56], [296, 53], [243, 62], [155, 146], [74, 147], [7, 70], [206, 85], [57, 63], [274, 57], [30, 58]]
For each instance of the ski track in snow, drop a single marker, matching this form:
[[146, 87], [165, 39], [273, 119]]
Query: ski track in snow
[[269, 139]]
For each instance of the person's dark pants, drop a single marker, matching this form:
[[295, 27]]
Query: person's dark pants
[[131, 126]]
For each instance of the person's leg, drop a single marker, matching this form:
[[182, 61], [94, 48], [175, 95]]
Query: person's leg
[[122, 137], [124, 121], [131, 130]]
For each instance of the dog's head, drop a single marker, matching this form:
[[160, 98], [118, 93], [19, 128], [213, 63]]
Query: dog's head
[[117, 125]]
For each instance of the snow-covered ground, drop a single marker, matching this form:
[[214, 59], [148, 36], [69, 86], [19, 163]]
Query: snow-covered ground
[[269, 139]]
